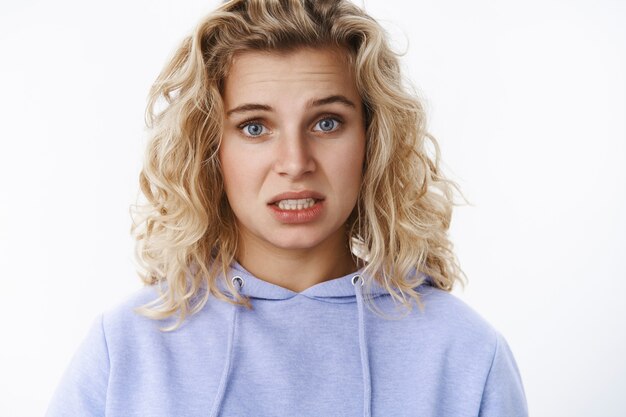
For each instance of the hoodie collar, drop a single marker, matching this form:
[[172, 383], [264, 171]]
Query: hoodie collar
[[338, 290]]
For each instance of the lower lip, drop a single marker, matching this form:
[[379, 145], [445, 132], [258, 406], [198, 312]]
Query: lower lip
[[298, 216]]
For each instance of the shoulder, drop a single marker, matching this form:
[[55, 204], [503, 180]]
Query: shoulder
[[124, 314], [451, 316], [449, 311], [446, 329], [126, 329]]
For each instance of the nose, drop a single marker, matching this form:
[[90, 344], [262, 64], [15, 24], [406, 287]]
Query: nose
[[294, 156]]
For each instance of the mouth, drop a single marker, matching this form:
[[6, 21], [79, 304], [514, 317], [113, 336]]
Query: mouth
[[293, 211], [296, 200]]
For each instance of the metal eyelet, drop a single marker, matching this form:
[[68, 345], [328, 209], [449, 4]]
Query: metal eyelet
[[239, 280], [357, 278]]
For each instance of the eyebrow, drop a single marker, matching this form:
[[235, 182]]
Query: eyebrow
[[314, 103]]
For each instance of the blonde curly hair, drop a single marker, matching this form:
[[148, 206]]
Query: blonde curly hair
[[186, 232]]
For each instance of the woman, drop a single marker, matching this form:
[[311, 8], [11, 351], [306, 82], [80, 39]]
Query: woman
[[294, 220]]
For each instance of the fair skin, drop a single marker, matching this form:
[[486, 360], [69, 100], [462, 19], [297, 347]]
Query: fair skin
[[293, 123]]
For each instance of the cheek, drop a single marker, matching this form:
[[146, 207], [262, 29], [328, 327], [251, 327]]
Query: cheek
[[348, 169], [241, 172]]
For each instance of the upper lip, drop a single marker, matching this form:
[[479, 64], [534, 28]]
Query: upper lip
[[296, 195]]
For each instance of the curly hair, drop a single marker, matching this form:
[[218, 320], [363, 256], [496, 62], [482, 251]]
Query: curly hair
[[186, 232]]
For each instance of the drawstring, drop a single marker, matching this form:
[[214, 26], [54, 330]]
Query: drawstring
[[365, 363], [237, 283]]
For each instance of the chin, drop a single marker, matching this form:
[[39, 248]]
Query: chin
[[296, 244]]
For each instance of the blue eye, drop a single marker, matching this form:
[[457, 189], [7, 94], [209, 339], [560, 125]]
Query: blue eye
[[253, 129], [327, 124]]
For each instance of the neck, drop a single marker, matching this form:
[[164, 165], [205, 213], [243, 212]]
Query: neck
[[297, 269]]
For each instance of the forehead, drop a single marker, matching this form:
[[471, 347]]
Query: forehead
[[255, 74]]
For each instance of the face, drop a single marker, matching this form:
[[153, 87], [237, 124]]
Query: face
[[293, 147]]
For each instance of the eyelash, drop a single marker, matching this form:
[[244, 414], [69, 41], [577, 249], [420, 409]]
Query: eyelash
[[337, 120]]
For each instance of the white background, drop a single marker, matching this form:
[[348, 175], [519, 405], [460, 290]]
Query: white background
[[528, 102]]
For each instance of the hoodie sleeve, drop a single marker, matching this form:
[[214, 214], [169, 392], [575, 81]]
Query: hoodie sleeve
[[504, 393], [83, 387]]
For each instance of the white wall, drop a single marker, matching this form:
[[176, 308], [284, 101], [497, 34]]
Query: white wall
[[527, 99]]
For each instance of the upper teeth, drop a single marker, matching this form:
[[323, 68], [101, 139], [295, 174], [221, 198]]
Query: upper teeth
[[296, 204]]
